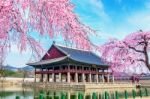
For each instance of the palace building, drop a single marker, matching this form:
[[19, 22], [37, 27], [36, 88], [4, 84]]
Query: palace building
[[68, 65]]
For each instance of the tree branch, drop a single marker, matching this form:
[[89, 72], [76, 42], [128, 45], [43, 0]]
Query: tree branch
[[133, 48]]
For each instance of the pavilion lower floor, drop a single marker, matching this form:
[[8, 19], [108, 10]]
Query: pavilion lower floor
[[69, 77]]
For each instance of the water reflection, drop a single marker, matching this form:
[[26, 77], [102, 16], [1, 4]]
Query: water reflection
[[12, 92], [62, 94], [77, 95], [110, 94]]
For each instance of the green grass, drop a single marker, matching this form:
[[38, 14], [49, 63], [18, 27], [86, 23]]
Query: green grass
[[8, 73]]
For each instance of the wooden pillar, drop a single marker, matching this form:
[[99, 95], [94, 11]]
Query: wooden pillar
[[47, 77], [41, 79], [76, 77], [35, 78], [59, 77], [42, 76]]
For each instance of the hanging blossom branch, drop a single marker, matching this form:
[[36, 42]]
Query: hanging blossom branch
[[47, 17], [130, 52]]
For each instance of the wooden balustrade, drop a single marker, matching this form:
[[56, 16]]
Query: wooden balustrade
[[71, 71]]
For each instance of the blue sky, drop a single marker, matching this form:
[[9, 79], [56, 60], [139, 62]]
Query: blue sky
[[111, 19]]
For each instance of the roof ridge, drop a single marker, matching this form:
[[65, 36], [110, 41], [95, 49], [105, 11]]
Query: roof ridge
[[95, 54], [49, 59], [41, 62], [73, 48], [54, 58]]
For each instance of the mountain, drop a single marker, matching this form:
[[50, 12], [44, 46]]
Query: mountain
[[12, 68], [28, 68]]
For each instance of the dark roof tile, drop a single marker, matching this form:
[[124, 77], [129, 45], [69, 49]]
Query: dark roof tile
[[82, 56]]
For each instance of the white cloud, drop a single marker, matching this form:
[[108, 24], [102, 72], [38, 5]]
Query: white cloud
[[93, 6], [16, 58], [140, 20], [98, 9], [147, 4], [14, 49]]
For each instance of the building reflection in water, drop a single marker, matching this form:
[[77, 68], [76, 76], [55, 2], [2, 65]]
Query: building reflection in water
[[72, 95]]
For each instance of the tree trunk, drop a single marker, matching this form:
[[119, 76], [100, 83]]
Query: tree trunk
[[146, 57]]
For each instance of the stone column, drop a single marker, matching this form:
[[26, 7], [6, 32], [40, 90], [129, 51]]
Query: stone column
[[59, 77], [50, 77], [76, 77], [103, 80], [68, 77], [83, 77], [90, 78], [97, 71], [53, 77], [113, 79], [96, 78], [45, 77]]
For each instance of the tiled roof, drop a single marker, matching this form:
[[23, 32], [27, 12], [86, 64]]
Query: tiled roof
[[81, 55], [49, 61]]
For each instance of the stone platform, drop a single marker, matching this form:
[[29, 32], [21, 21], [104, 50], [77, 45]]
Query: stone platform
[[83, 86]]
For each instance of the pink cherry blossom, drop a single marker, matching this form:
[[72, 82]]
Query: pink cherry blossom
[[130, 52], [47, 17]]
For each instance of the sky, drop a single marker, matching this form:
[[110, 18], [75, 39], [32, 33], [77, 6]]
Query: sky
[[111, 19]]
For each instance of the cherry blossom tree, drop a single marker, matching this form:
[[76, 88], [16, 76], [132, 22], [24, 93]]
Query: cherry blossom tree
[[47, 17], [129, 52]]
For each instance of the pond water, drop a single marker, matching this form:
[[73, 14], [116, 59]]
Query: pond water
[[35, 94], [13, 94]]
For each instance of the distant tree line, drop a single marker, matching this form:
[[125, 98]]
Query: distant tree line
[[9, 73]]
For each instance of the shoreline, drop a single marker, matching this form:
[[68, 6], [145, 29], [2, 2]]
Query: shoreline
[[14, 81]]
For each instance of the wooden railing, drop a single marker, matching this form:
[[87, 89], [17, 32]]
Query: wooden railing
[[71, 71]]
